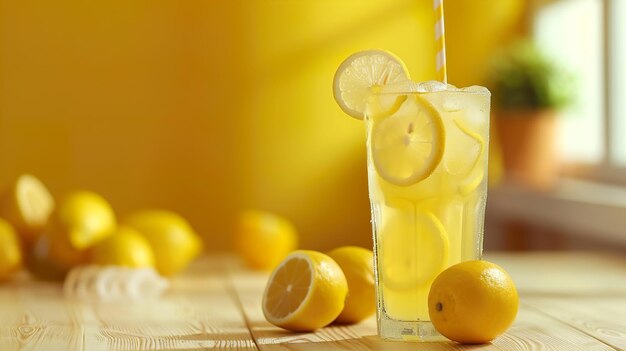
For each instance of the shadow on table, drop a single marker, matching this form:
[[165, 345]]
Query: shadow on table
[[275, 340]]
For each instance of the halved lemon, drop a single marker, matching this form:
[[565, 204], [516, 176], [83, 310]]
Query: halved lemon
[[28, 205], [413, 248], [306, 291], [363, 73], [407, 146]]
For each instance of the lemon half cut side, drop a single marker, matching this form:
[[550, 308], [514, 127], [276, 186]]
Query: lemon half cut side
[[27, 206], [305, 292]]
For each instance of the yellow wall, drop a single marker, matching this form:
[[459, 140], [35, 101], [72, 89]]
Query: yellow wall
[[209, 107]]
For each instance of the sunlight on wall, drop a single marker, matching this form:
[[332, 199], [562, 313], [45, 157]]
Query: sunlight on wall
[[210, 107]]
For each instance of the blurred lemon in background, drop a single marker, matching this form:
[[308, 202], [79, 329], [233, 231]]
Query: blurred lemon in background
[[125, 247], [263, 239], [174, 243], [357, 265], [82, 219], [10, 254], [27, 205]]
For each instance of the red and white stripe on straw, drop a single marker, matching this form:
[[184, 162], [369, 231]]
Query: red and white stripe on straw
[[440, 40]]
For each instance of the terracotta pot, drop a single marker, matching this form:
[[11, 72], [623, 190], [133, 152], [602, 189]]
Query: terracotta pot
[[527, 138]]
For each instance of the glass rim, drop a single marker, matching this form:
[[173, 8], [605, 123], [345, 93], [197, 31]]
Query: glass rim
[[456, 91]]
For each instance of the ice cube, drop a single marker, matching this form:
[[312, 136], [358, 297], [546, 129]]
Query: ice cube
[[476, 89], [452, 87], [406, 86], [431, 86], [451, 105]]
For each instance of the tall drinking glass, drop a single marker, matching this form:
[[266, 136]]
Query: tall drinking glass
[[427, 174]]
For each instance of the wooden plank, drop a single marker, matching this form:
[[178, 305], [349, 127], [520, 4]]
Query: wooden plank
[[200, 320], [33, 317], [206, 306], [249, 287], [362, 336], [532, 330], [601, 317], [39, 337], [198, 312]]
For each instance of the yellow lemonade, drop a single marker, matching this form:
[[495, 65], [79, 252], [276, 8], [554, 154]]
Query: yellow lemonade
[[427, 171]]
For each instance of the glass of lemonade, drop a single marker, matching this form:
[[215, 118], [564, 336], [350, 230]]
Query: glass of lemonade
[[427, 168], [427, 173]]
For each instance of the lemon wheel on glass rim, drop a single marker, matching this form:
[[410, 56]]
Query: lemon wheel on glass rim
[[363, 73], [406, 147]]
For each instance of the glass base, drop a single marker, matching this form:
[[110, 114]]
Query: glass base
[[391, 329]]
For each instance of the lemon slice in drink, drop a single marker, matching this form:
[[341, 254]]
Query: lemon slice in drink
[[306, 291], [408, 146], [414, 248], [363, 73], [475, 173]]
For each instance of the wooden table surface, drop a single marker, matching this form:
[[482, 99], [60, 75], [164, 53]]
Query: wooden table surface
[[569, 301]]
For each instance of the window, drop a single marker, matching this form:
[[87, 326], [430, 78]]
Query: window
[[617, 79], [588, 37]]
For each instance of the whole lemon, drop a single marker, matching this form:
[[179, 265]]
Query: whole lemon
[[10, 252], [357, 265], [263, 239], [473, 302], [174, 243], [82, 219], [125, 247]]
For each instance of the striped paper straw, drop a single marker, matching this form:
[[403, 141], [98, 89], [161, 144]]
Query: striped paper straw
[[440, 40]]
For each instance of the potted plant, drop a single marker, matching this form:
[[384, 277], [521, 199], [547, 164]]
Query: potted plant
[[528, 90]]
